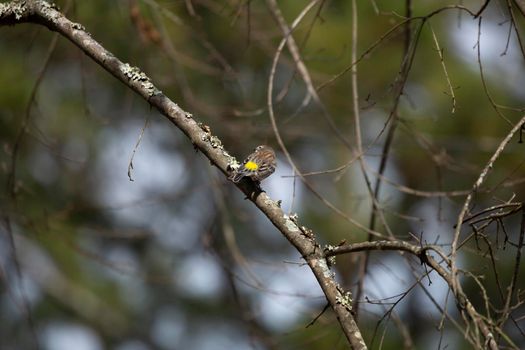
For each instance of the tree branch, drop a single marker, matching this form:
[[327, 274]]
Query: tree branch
[[44, 13]]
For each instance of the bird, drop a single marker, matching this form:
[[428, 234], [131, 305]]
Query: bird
[[260, 164]]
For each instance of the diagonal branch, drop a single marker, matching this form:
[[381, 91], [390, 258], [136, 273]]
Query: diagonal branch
[[42, 12]]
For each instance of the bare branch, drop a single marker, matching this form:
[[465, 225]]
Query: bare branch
[[41, 12]]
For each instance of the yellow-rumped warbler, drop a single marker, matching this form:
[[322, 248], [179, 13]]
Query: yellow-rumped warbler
[[258, 165]]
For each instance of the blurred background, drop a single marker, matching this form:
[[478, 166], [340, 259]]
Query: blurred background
[[167, 254]]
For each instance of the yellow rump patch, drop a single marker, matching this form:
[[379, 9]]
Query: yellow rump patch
[[251, 166]]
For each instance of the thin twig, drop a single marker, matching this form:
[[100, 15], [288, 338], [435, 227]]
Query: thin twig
[[130, 164], [445, 71]]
